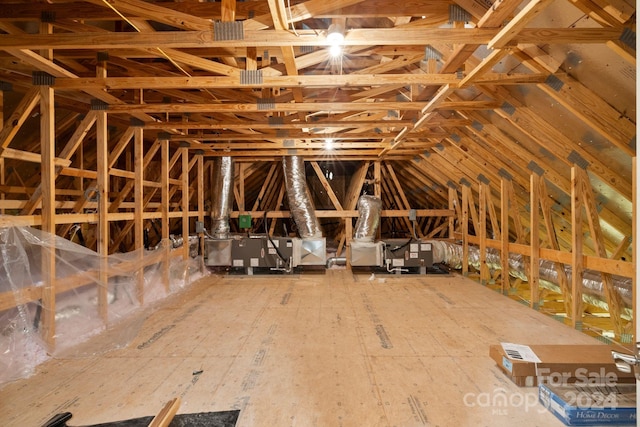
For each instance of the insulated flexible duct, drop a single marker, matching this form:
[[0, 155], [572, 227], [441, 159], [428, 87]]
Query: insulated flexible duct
[[369, 209], [592, 284], [221, 196], [299, 198]]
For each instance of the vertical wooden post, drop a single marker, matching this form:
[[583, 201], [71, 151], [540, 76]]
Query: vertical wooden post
[[453, 199], [129, 159], [274, 221], [228, 10], [201, 200], [241, 171], [348, 230], [47, 146], [102, 153], [48, 212], [552, 238], [482, 232], [2, 171], [576, 241], [636, 246], [377, 191], [185, 203], [613, 298], [103, 210], [504, 235], [534, 254], [138, 220], [164, 208], [465, 230]]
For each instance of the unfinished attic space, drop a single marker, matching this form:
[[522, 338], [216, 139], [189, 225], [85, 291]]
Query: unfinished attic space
[[316, 212]]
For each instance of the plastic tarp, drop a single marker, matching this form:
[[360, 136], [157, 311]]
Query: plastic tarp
[[78, 286]]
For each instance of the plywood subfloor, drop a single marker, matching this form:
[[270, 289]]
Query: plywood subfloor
[[332, 349]]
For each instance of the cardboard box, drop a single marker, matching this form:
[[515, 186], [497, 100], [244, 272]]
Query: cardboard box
[[591, 404], [561, 364]]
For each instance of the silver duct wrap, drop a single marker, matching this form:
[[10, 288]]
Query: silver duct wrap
[[369, 208], [593, 291], [300, 202], [221, 196]]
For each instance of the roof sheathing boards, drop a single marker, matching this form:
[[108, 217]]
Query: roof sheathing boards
[[589, 63], [596, 66], [573, 128]]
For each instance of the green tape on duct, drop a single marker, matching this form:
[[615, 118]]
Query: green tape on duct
[[244, 221]]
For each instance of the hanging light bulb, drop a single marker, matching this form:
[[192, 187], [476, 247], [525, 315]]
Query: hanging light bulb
[[335, 39], [335, 34], [335, 50]]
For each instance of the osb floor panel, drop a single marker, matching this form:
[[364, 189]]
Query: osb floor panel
[[332, 349]]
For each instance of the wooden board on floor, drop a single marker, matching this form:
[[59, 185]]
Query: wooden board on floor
[[311, 349]]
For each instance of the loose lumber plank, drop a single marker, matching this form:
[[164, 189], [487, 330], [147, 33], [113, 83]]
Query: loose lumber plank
[[165, 416]]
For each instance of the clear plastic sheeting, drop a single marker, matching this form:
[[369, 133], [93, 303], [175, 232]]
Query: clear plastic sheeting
[[300, 202], [135, 281], [369, 209], [221, 196], [178, 241], [592, 284]]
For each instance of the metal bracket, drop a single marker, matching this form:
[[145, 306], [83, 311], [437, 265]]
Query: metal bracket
[[233, 30], [40, 78], [505, 174], [99, 105]]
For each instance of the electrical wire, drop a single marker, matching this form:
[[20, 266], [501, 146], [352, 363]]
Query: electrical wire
[[293, 27], [266, 230]]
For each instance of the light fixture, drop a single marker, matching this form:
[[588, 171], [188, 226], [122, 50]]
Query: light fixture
[[335, 39], [328, 143], [335, 50], [335, 34]]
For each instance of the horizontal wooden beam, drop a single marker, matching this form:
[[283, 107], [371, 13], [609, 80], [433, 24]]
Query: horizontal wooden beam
[[390, 213], [605, 265], [80, 10], [273, 38], [319, 124], [302, 138], [332, 107], [308, 81], [27, 156]]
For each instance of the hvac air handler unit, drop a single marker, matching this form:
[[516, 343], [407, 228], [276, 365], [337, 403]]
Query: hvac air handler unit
[[262, 251], [395, 255]]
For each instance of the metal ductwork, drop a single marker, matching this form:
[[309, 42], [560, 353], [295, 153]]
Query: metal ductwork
[[300, 202], [592, 285], [369, 209], [221, 196]]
